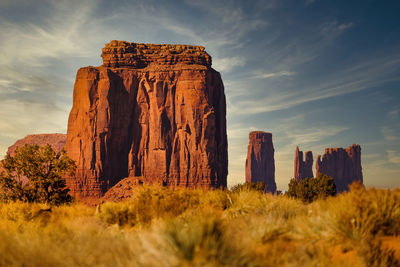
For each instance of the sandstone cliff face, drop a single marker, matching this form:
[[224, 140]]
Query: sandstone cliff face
[[303, 169], [57, 141], [344, 165], [156, 111], [260, 163]]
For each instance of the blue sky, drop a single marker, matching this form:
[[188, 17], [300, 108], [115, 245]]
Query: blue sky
[[314, 73]]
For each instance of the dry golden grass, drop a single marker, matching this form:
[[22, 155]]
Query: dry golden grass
[[161, 227]]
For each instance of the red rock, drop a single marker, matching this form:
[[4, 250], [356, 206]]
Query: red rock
[[156, 111], [303, 169], [57, 141], [123, 190], [260, 163], [344, 165]]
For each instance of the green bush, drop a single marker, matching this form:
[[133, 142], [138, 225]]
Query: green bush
[[260, 186], [35, 174], [310, 189]]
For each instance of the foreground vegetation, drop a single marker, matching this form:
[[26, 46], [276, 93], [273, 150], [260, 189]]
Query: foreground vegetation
[[161, 227]]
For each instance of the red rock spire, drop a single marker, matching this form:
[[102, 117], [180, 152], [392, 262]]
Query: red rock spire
[[260, 163], [303, 169]]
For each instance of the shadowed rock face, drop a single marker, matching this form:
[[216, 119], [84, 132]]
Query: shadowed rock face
[[57, 141], [344, 165], [303, 169], [156, 111], [260, 163]]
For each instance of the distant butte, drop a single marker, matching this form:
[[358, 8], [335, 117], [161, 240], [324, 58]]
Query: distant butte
[[151, 110], [57, 141], [344, 165], [260, 162]]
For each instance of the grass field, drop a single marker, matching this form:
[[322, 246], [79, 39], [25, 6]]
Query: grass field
[[161, 227]]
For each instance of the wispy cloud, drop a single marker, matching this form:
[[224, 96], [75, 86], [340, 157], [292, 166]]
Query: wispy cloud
[[334, 28], [349, 80], [274, 74], [306, 137], [390, 134], [393, 115], [228, 63], [393, 156], [309, 2]]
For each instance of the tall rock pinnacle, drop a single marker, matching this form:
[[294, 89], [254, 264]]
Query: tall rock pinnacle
[[344, 165], [155, 111], [260, 163], [303, 169]]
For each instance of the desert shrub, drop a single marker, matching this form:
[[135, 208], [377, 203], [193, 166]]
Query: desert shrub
[[246, 202], [153, 202], [375, 255], [215, 199], [363, 213], [203, 239], [148, 203], [35, 174], [259, 186], [310, 189]]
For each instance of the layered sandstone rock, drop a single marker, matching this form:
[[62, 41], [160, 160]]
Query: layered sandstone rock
[[57, 141], [156, 111], [344, 165], [136, 55], [303, 168], [260, 163]]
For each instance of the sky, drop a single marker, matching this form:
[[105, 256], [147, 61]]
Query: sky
[[314, 73]]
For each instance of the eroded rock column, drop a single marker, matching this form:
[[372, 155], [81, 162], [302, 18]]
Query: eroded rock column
[[303, 168], [260, 163], [344, 165]]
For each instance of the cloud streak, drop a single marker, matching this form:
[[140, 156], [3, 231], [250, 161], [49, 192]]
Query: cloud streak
[[393, 156], [274, 75]]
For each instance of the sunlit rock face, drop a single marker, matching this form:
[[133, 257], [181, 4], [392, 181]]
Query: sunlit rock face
[[57, 141], [155, 111], [303, 168], [344, 165], [260, 162]]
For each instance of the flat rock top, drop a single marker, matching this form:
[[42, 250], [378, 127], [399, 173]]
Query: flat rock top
[[353, 147], [57, 141], [259, 135], [139, 55]]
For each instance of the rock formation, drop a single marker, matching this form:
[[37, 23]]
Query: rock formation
[[260, 163], [123, 190], [156, 111], [303, 169], [57, 141], [344, 165]]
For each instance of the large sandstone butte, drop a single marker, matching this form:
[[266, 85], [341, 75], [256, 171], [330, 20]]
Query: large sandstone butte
[[260, 162], [303, 168], [155, 111], [344, 165], [57, 141]]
